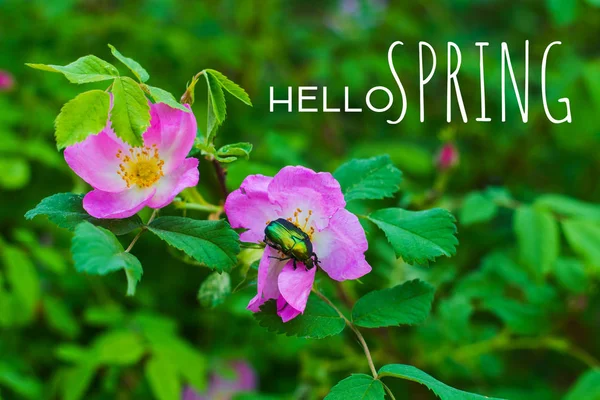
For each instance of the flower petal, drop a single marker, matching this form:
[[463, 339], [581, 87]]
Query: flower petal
[[101, 204], [286, 311], [295, 285], [171, 185], [173, 132], [302, 188], [341, 247], [268, 271], [249, 207], [95, 160]]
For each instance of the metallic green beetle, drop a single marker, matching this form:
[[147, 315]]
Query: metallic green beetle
[[293, 242]]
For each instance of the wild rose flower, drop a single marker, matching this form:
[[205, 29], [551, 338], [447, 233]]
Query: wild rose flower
[[448, 157], [7, 81], [126, 179], [314, 203], [224, 388]]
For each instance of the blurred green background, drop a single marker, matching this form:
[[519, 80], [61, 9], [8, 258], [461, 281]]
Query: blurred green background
[[497, 327]]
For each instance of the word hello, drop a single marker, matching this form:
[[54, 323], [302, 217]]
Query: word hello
[[306, 94]]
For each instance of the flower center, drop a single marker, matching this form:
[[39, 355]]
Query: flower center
[[142, 166], [302, 222]]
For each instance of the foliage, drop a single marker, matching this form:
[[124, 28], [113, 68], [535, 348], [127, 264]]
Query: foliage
[[511, 312]]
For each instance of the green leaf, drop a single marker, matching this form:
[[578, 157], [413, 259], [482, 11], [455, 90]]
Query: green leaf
[[357, 387], [570, 274], [233, 88], [163, 379], [162, 96], [16, 173], [130, 115], [215, 289], [414, 374], [24, 281], [186, 359], [84, 70], [60, 318], [370, 178], [97, 251], [406, 304], [231, 152], [568, 207], [85, 115], [133, 65], [119, 348], [66, 211], [418, 236], [77, 381], [212, 243], [538, 237], [587, 387], [217, 109], [477, 207], [584, 238], [521, 318], [24, 386], [318, 321], [563, 12]]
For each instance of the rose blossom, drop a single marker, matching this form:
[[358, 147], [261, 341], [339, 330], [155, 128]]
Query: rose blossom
[[125, 178], [223, 388], [314, 203]]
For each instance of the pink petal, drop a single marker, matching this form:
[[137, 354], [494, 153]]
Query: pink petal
[[302, 188], [171, 185], [286, 311], [268, 271], [101, 204], [249, 207], [295, 285], [173, 131], [95, 160], [341, 247]]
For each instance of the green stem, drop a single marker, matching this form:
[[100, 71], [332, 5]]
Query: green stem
[[359, 335], [198, 207], [503, 342], [136, 238], [389, 392]]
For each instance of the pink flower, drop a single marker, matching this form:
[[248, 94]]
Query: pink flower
[[7, 81], [221, 387], [448, 157], [313, 202], [126, 179]]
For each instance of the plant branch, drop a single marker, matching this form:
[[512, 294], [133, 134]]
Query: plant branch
[[198, 207], [389, 392], [359, 335], [136, 238], [221, 176]]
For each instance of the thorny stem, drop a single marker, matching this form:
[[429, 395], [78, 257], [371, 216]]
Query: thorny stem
[[221, 175], [359, 335], [135, 239]]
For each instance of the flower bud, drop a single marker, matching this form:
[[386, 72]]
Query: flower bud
[[448, 157], [7, 81]]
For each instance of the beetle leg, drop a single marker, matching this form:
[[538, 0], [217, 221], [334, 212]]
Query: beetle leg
[[280, 259], [317, 261]]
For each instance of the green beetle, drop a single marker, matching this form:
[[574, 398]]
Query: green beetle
[[293, 242]]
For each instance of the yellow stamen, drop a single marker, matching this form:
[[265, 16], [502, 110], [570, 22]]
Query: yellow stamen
[[142, 167]]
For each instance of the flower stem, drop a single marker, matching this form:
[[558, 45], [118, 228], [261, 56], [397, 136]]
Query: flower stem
[[136, 238], [359, 335]]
